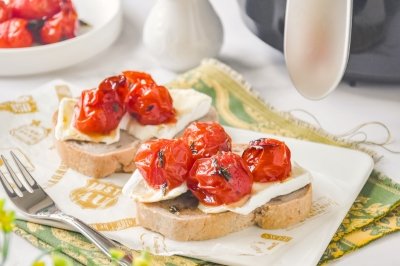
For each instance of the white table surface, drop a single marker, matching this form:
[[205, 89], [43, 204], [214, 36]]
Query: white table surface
[[264, 68]]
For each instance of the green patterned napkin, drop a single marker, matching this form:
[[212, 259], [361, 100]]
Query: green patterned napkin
[[375, 213], [80, 250]]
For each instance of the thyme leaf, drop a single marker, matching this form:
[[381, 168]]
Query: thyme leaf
[[173, 209], [149, 108], [164, 188], [214, 162], [194, 151], [161, 158], [115, 107], [222, 171]]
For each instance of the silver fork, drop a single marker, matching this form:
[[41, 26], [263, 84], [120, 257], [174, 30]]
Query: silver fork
[[30, 198]]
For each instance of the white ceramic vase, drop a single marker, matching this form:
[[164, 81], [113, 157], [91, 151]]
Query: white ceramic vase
[[180, 33]]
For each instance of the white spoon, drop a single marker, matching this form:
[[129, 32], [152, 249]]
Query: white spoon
[[317, 44]]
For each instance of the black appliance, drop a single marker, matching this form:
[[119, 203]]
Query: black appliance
[[375, 38]]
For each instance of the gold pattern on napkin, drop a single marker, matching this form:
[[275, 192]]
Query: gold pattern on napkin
[[57, 176], [96, 195], [23, 105], [30, 134], [115, 225], [239, 107]]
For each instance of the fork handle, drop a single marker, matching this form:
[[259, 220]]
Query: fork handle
[[102, 242]]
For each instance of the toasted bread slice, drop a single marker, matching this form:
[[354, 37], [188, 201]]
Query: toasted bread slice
[[97, 159], [100, 160], [286, 210], [180, 219]]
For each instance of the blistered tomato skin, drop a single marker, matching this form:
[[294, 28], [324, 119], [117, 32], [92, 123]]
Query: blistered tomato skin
[[60, 26], [5, 12], [206, 139], [14, 34], [136, 77], [221, 179], [117, 83], [99, 111], [164, 163], [268, 160], [150, 104], [34, 9]]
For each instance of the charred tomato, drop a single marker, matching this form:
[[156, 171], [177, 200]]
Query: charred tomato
[[117, 83], [220, 179], [35, 9], [15, 34], [206, 139], [136, 77], [164, 163], [62, 25], [5, 11], [268, 160], [149, 103], [100, 110]]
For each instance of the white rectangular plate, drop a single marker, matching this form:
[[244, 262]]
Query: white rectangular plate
[[338, 176]]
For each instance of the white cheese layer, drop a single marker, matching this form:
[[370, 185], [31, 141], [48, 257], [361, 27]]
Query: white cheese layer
[[65, 130], [137, 188], [189, 104], [264, 192]]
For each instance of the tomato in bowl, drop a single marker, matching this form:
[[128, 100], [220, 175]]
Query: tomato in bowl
[[105, 20]]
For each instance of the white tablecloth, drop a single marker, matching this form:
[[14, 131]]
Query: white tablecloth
[[264, 68]]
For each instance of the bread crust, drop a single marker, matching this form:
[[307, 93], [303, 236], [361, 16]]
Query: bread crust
[[189, 223], [285, 211], [180, 219], [101, 160], [97, 165]]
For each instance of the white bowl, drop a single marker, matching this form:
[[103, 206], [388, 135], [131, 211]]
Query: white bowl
[[105, 20]]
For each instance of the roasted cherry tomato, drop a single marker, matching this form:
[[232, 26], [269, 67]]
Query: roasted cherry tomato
[[35, 9], [268, 160], [14, 34], [221, 179], [99, 111], [5, 12], [206, 139], [150, 103], [118, 83], [136, 77], [62, 25], [164, 163]]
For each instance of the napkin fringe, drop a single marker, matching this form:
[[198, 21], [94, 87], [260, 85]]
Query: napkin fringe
[[387, 181], [245, 84]]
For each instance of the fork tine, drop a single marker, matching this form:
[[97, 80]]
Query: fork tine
[[7, 187], [13, 175], [24, 172]]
